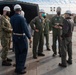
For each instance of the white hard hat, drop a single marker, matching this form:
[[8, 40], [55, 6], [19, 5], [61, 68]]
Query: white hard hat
[[42, 11], [17, 6], [22, 13], [58, 9], [68, 12], [6, 8]]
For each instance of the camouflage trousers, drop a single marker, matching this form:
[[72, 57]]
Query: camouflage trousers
[[66, 49], [5, 42], [47, 40]]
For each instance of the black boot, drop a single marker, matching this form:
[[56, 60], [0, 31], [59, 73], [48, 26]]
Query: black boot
[[41, 54], [20, 72], [10, 48], [59, 55], [34, 57], [48, 49], [54, 54], [6, 63], [62, 65], [69, 62], [9, 60]]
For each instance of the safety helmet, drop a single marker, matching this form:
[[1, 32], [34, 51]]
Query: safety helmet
[[22, 13], [68, 12], [6, 8], [17, 6], [58, 9], [41, 11]]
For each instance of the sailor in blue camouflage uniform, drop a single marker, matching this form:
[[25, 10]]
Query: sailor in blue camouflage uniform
[[20, 34]]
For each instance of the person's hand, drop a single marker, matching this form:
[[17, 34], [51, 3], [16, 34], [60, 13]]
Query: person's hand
[[56, 26], [36, 30], [11, 30], [60, 27], [30, 41], [60, 38]]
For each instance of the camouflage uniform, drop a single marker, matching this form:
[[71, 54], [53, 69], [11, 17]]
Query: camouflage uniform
[[0, 27], [38, 38], [46, 32], [56, 32], [6, 36], [68, 26]]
